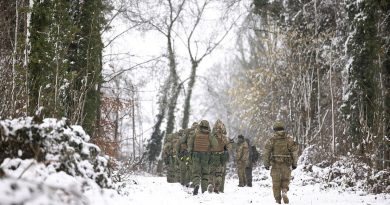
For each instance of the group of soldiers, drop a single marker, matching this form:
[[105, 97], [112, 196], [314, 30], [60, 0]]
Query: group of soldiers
[[199, 155]]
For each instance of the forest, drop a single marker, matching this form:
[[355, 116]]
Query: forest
[[104, 81]]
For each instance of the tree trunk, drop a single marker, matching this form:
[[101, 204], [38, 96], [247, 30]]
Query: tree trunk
[[187, 103], [175, 88]]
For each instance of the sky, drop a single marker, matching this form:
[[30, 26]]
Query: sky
[[136, 47]]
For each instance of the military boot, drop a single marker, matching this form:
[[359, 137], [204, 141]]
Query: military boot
[[196, 189], [210, 188], [216, 190], [284, 196], [278, 200]]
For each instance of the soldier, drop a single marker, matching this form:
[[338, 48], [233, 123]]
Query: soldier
[[168, 158], [281, 153], [176, 162], [219, 157], [184, 157], [242, 159], [199, 145], [191, 135], [253, 157]]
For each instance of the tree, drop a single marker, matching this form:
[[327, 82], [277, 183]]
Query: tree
[[13, 58], [198, 51], [161, 16], [65, 70]]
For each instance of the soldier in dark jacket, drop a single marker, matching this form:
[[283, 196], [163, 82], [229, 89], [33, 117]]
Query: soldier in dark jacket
[[253, 157]]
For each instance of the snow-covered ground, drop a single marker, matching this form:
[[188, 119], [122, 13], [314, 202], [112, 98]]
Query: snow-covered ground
[[72, 168], [155, 190], [60, 188]]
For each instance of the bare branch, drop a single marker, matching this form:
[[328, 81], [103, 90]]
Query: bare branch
[[131, 68]]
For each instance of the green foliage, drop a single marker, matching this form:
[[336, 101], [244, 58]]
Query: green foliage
[[363, 72], [66, 59]]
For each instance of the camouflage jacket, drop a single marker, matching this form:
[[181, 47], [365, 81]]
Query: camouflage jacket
[[181, 144], [219, 132], [175, 141], [223, 142], [242, 153], [280, 148], [167, 149]]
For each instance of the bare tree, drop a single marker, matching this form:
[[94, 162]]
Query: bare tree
[[161, 16], [199, 46]]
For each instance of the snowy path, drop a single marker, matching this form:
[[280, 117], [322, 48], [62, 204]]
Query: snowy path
[[155, 190]]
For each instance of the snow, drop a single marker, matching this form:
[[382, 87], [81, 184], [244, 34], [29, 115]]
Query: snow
[[155, 190], [40, 185], [27, 181], [66, 148]]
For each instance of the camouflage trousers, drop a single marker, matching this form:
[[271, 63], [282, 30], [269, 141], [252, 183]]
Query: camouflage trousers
[[177, 170], [222, 186], [217, 165], [281, 174], [200, 169], [171, 170], [184, 172], [241, 173]]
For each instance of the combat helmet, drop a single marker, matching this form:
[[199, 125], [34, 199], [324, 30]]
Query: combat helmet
[[168, 138], [219, 126], [181, 132], [278, 126], [204, 126], [194, 125]]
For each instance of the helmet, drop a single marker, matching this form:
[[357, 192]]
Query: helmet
[[219, 126], [168, 138], [278, 125], [194, 125], [204, 124]]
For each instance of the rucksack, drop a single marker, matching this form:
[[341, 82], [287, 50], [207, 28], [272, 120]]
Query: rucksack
[[255, 154]]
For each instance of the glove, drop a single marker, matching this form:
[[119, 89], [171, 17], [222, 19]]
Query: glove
[[294, 167], [185, 153], [266, 167]]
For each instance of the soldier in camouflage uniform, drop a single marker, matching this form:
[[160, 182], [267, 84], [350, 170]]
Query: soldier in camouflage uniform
[[191, 135], [176, 162], [199, 145], [168, 158], [281, 153], [242, 160], [219, 156], [184, 157], [253, 157]]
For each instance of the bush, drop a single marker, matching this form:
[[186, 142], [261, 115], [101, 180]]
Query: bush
[[55, 143], [348, 172]]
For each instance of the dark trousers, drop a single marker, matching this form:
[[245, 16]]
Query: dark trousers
[[248, 173]]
